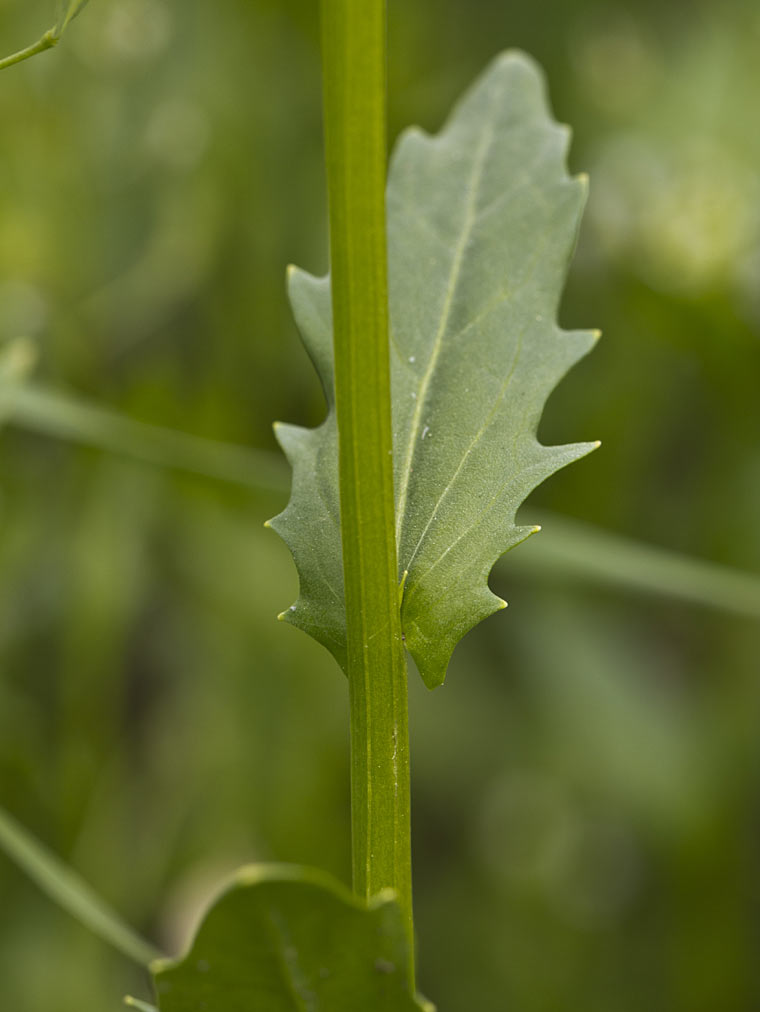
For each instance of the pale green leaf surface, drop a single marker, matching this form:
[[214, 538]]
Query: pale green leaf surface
[[482, 222], [289, 939], [310, 524]]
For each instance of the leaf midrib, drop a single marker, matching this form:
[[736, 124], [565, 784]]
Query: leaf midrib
[[503, 296], [470, 218], [467, 453]]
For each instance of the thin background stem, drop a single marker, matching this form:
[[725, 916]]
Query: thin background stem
[[51, 37], [48, 40], [354, 78], [566, 547], [66, 888]]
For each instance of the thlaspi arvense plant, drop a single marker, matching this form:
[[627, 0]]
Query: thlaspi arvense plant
[[436, 343]]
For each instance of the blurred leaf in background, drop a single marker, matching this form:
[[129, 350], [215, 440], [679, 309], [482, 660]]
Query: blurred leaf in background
[[586, 785]]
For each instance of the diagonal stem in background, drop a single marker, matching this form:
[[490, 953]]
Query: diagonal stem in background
[[565, 546], [66, 888]]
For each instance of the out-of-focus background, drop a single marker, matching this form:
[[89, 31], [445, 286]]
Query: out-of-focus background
[[586, 784]]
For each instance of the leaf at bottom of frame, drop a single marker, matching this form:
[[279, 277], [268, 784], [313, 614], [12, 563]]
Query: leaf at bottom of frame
[[284, 938]]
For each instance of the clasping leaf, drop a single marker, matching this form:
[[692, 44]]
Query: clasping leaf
[[482, 222]]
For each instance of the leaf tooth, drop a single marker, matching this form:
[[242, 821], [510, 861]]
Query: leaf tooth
[[294, 440], [575, 345], [554, 458], [432, 649], [566, 349], [517, 536]]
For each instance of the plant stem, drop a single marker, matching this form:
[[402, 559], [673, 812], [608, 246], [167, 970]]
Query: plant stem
[[69, 891], [354, 77], [51, 37], [566, 548], [47, 41], [39, 409]]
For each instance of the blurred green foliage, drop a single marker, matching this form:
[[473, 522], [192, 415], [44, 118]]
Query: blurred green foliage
[[586, 784]]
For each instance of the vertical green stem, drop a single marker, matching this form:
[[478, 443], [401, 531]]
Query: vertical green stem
[[354, 76]]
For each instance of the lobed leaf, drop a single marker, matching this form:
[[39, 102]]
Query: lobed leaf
[[290, 939], [482, 222]]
